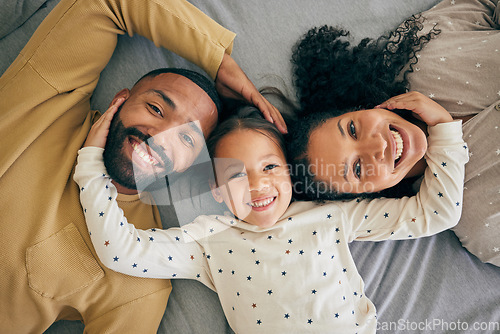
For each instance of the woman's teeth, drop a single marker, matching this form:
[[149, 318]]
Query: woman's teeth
[[144, 155], [399, 144], [258, 204]]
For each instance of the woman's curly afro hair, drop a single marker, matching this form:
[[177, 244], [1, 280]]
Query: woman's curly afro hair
[[332, 77]]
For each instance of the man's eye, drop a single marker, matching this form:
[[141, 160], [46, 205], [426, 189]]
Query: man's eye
[[187, 139], [352, 130], [155, 109], [270, 166], [357, 169]]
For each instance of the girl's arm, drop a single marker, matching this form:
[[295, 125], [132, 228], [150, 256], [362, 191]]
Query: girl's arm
[[118, 244], [153, 253], [438, 204]]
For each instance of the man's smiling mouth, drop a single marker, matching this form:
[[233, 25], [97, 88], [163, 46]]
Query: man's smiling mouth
[[140, 149]]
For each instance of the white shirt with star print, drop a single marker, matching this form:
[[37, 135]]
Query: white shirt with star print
[[297, 276]]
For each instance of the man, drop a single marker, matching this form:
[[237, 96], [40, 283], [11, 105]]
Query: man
[[50, 270]]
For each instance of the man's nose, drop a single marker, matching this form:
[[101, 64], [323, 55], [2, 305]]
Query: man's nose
[[162, 134]]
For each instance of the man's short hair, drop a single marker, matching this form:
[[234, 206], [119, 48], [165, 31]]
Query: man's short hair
[[203, 82]]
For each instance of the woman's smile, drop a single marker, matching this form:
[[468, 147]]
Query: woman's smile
[[365, 151]]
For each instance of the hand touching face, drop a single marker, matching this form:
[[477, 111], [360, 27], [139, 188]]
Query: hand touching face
[[159, 129]]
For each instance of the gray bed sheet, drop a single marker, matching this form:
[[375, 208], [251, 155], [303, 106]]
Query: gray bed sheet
[[429, 285]]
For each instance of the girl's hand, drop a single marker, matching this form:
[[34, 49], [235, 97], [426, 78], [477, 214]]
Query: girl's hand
[[422, 107], [233, 83], [99, 132]]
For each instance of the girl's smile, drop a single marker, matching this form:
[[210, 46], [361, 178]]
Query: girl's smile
[[262, 204], [252, 177]]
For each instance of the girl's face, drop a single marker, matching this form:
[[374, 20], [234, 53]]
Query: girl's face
[[365, 151], [252, 177]]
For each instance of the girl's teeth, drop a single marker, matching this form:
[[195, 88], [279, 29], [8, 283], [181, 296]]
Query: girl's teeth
[[258, 204], [399, 144]]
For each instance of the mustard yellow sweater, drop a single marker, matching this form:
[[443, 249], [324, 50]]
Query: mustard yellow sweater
[[49, 267]]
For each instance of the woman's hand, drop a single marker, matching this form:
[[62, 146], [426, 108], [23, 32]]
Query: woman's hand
[[98, 134], [422, 107], [231, 82]]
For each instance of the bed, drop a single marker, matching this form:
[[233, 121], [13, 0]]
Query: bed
[[429, 285]]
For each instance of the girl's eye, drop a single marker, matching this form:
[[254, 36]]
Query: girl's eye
[[187, 139], [357, 169], [237, 175], [270, 166], [352, 130], [155, 109]]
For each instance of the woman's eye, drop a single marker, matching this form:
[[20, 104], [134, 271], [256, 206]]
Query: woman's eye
[[187, 139], [352, 129], [155, 109], [357, 169], [270, 166]]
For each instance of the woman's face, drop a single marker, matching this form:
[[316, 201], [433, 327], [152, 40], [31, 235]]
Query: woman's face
[[365, 151], [253, 177]]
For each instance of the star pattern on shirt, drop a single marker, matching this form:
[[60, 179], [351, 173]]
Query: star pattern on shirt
[[293, 248]]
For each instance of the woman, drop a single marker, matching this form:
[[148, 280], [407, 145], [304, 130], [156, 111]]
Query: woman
[[451, 55]]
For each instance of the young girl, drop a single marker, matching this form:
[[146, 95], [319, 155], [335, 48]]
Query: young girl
[[277, 267]]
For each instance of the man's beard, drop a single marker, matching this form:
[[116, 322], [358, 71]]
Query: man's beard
[[120, 168]]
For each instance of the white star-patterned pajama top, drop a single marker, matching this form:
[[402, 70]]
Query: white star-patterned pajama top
[[297, 276], [460, 70]]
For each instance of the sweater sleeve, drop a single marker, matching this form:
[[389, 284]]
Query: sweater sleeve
[[153, 253], [75, 42], [436, 207]]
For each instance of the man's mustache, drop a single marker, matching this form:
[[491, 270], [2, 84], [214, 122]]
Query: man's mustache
[[150, 143]]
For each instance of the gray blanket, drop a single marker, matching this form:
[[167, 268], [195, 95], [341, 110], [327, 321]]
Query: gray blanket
[[430, 285]]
